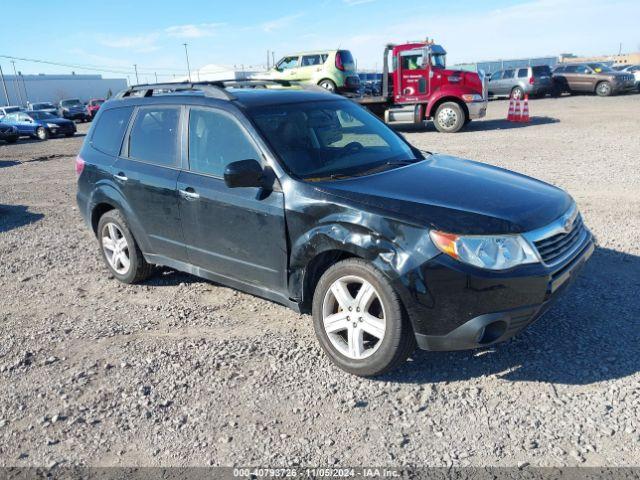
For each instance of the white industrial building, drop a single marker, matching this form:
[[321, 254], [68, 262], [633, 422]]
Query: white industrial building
[[52, 88]]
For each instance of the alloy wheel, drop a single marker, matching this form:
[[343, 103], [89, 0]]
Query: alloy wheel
[[354, 317], [116, 248]]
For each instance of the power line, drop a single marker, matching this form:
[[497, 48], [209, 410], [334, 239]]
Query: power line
[[97, 68]]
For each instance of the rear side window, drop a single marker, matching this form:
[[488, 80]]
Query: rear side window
[[571, 69], [108, 132], [311, 60], [509, 74], [154, 136], [215, 140], [523, 73]]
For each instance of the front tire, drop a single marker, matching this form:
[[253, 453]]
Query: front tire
[[328, 84], [119, 249], [449, 117], [359, 320], [603, 89], [42, 133]]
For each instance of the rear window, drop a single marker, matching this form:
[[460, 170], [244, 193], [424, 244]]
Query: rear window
[[346, 56], [109, 130], [154, 136], [541, 71]]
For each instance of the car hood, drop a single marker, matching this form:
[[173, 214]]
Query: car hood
[[457, 196]]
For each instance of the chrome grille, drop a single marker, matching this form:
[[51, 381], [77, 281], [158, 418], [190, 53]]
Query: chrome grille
[[556, 246]]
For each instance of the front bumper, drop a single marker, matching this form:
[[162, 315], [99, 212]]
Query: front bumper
[[454, 306], [477, 109], [75, 115], [622, 87]]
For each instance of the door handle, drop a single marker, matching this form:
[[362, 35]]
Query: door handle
[[121, 176], [189, 193]]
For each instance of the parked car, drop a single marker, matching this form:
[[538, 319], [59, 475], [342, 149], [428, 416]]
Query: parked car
[[73, 109], [93, 106], [8, 133], [311, 201], [9, 109], [40, 125], [334, 70], [43, 107], [592, 78], [635, 71], [516, 82]]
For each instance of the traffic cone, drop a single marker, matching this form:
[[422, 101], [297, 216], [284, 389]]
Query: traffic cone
[[517, 114], [525, 110], [510, 115]]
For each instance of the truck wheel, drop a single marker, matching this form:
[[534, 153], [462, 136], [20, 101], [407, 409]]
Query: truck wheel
[[449, 117], [359, 320], [328, 85], [603, 89]]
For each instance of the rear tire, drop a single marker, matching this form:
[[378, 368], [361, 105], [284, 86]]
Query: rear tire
[[603, 89], [328, 84], [363, 334], [42, 133], [119, 249], [449, 117], [517, 93]]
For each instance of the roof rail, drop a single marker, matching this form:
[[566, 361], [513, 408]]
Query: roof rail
[[213, 89], [210, 89]]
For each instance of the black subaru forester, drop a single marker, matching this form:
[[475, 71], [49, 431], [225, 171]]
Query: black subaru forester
[[306, 199]]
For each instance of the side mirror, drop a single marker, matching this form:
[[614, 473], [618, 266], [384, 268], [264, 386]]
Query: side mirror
[[244, 173]]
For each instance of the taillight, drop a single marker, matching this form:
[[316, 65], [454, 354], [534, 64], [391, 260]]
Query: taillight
[[531, 80], [79, 165], [339, 64]]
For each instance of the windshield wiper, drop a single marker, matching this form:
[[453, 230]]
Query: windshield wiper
[[384, 166]]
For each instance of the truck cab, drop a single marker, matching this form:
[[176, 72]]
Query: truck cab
[[419, 86]]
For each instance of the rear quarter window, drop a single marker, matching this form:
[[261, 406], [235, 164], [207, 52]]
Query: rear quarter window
[[523, 73], [109, 130]]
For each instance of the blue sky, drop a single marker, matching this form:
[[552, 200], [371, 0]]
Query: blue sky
[[118, 34]]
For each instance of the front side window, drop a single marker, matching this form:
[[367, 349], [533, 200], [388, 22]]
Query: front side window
[[330, 139], [496, 76], [439, 61], [154, 136], [109, 130], [215, 140], [287, 63]]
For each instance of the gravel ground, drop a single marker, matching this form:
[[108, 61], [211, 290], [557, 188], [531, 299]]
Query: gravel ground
[[179, 371]]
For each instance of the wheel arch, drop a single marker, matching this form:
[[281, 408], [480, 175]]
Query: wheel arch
[[433, 106]]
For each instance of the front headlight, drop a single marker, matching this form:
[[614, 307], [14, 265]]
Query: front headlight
[[471, 97], [492, 252], [52, 125]]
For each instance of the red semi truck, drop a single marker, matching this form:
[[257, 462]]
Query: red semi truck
[[419, 87]]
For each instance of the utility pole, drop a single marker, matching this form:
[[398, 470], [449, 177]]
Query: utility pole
[[156, 74], [24, 86], [268, 59], [15, 80], [4, 86], [135, 67], [186, 54], [273, 58], [620, 49]]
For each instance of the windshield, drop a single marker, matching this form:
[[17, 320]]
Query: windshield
[[70, 103], [41, 115], [11, 109], [438, 61], [93, 103], [330, 139], [599, 67], [40, 106]]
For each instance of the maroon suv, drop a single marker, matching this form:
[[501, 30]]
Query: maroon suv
[[93, 106]]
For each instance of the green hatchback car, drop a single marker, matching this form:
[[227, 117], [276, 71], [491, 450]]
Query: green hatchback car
[[334, 70]]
